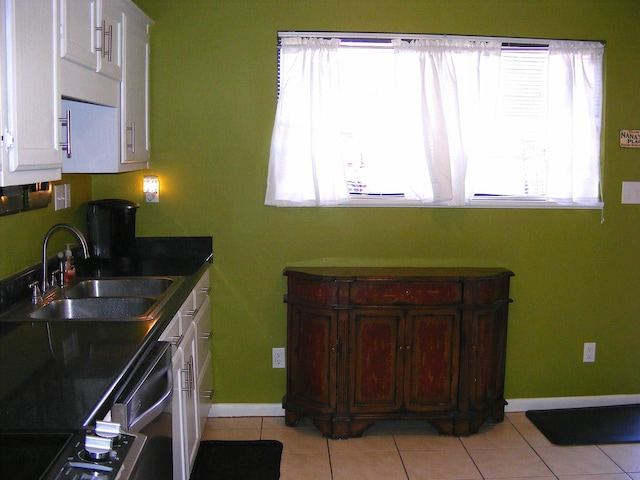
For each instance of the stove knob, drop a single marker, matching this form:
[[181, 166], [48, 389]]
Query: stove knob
[[107, 429], [98, 448]]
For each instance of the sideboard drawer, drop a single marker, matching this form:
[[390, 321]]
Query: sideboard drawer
[[489, 290], [312, 291], [406, 293]]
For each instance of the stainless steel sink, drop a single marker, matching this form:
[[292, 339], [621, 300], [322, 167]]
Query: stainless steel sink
[[103, 308], [119, 287], [124, 298]]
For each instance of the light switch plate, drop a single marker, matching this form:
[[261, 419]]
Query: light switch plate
[[61, 196], [58, 197]]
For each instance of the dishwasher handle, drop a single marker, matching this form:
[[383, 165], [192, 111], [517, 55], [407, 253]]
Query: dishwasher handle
[[147, 393], [143, 419]]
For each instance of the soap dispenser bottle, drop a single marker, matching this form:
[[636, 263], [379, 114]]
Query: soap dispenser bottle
[[69, 267]]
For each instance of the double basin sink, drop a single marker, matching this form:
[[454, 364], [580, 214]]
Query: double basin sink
[[126, 298]]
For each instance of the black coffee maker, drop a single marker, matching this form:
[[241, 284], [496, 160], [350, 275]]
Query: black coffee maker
[[112, 231]]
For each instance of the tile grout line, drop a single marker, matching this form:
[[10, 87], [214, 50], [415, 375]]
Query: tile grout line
[[614, 462], [533, 448], [472, 459], [404, 467]]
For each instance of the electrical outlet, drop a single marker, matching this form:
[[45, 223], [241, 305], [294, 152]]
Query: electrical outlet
[[589, 352], [277, 357]]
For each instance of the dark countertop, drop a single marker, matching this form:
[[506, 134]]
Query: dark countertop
[[65, 374]]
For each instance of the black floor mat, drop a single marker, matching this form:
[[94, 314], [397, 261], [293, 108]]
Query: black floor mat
[[593, 425], [238, 460]]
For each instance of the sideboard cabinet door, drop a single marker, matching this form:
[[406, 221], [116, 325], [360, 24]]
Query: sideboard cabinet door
[[432, 354], [376, 360], [312, 358]]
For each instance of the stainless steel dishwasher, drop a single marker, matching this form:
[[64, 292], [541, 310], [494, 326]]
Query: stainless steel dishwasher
[[144, 406]]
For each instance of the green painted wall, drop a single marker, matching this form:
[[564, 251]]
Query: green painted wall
[[213, 101], [212, 106], [22, 233]]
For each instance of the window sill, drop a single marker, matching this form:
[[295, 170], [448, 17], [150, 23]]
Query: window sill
[[473, 204]]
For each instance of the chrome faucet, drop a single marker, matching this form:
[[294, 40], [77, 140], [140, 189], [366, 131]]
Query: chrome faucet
[[60, 226]]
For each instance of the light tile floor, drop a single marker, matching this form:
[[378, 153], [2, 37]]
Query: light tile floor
[[408, 450]]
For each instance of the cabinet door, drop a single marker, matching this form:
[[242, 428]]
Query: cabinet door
[[205, 393], [180, 424], [78, 19], [376, 349], [91, 35], [432, 352], [487, 339], [311, 360], [203, 334], [30, 137], [135, 91], [190, 390], [109, 58]]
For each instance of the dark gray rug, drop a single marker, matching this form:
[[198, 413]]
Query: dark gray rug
[[238, 460], [592, 425]]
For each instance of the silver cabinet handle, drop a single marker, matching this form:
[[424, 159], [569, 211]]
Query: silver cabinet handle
[[132, 146], [66, 122], [206, 394], [188, 383], [109, 33], [186, 379], [105, 49]]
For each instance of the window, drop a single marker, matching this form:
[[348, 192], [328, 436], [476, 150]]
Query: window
[[442, 121]]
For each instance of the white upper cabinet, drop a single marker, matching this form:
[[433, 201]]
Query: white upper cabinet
[[108, 98], [29, 100], [91, 35], [90, 50], [135, 86]]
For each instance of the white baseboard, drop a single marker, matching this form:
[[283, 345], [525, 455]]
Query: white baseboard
[[246, 410], [514, 405], [549, 403]]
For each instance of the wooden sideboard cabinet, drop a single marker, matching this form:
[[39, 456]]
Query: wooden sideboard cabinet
[[367, 344]]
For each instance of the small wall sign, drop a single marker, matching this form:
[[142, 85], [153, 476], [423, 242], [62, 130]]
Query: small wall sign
[[630, 138]]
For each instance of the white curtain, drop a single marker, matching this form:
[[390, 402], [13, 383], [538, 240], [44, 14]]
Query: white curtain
[[305, 164], [446, 92], [575, 105]]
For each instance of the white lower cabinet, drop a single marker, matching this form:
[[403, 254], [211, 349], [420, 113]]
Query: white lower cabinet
[[190, 332]]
